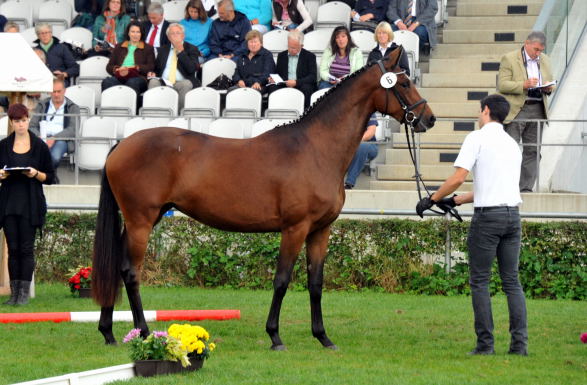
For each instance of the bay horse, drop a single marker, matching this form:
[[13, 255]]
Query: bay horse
[[288, 180]]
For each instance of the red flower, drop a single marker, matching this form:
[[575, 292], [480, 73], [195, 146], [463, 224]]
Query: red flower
[[584, 338], [75, 279], [85, 273]]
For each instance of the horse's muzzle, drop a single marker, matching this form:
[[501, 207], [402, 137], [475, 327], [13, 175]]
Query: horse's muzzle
[[424, 124]]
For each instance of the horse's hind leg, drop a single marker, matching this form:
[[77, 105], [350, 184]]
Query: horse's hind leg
[[136, 239], [105, 325], [316, 246], [291, 243]]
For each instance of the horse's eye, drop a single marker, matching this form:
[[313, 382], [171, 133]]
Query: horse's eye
[[406, 85]]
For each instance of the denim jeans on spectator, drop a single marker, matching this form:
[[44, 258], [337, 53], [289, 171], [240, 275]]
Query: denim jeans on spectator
[[494, 232], [58, 149], [322, 85], [420, 30], [366, 151]]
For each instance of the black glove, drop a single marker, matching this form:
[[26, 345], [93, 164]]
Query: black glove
[[445, 204], [423, 205]]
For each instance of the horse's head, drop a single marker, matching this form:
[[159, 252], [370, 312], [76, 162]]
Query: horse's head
[[397, 96]]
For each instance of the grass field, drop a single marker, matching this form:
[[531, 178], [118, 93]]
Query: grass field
[[383, 339]]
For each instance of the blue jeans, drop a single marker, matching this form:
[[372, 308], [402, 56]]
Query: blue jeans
[[58, 149], [496, 231], [366, 152], [323, 84], [420, 30]]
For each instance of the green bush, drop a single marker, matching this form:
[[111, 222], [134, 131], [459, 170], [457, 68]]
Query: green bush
[[362, 254]]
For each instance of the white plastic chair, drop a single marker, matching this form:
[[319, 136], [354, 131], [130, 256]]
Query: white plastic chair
[[364, 40], [29, 35], [77, 36], [97, 137], [312, 7], [333, 14], [141, 123], [57, 13], [227, 128], [120, 103], [275, 41], [184, 123], [4, 126], [84, 97], [213, 68], [91, 73], [411, 43], [174, 11], [159, 101], [286, 103], [265, 125], [317, 40], [202, 101], [317, 94], [18, 11], [243, 103]]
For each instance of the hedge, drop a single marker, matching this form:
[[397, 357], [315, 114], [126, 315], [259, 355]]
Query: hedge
[[362, 254]]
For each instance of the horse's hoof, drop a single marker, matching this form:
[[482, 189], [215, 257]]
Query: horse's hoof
[[278, 347], [111, 343], [331, 347]]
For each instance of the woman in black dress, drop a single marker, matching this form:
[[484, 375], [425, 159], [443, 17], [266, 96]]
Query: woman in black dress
[[26, 162]]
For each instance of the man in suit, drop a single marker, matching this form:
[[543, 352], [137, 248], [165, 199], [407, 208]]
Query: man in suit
[[156, 27], [176, 64], [415, 16], [521, 74], [297, 67]]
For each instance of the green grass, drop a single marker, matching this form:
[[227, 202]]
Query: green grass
[[383, 339]]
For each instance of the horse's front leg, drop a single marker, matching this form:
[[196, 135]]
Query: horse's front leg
[[105, 325], [316, 246], [292, 240]]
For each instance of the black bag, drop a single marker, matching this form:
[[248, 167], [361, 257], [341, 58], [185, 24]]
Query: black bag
[[222, 82]]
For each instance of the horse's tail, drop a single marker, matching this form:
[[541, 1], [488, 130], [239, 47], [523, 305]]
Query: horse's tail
[[108, 249]]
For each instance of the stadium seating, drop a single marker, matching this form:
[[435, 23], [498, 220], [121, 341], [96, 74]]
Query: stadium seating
[[213, 68], [159, 101], [275, 41], [285, 103], [77, 36], [18, 11], [333, 14], [243, 103], [29, 35], [142, 123], [365, 40], [119, 102], [91, 73], [57, 13], [174, 11], [98, 134], [316, 95], [411, 43], [265, 125], [227, 128]]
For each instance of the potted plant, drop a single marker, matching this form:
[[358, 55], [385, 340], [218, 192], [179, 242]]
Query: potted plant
[[80, 282], [183, 348]]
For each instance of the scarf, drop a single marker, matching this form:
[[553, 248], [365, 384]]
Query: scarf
[[110, 27]]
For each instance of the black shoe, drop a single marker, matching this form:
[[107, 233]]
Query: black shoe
[[525, 191], [348, 186], [479, 352], [523, 352]]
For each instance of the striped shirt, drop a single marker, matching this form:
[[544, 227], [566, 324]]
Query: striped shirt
[[340, 66]]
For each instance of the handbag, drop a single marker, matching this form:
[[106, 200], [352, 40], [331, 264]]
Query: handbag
[[222, 82]]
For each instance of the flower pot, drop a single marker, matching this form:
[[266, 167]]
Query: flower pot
[[196, 364], [149, 368], [85, 292]]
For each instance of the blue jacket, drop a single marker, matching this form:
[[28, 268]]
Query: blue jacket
[[228, 37], [196, 33], [378, 9], [60, 58], [255, 70], [256, 9]]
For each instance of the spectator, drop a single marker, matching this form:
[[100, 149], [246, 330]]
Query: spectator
[[131, 61], [3, 22], [22, 203], [50, 123], [156, 27], [341, 58], [227, 35], [110, 26], [197, 26], [291, 14], [11, 27], [368, 13], [32, 99], [60, 60], [297, 67], [420, 20], [176, 64], [87, 11], [385, 46], [254, 66], [257, 11], [366, 152], [522, 73]]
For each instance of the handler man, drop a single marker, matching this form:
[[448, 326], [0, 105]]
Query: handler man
[[494, 158]]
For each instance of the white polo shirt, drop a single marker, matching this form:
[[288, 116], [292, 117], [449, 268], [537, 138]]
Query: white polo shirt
[[494, 158]]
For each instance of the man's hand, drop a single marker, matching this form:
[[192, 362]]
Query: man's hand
[[401, 25], [423, 205], [241, 84], [413, 26], [290, 83], [530, 83], [445, 204], [366, 17], [50, 142]]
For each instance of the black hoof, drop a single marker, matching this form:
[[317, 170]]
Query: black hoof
[[331, 347], [111, 343], [278, 347]]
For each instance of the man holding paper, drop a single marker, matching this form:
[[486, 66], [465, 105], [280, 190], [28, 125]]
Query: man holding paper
[[296, 68], [50, 122], [525, 79]]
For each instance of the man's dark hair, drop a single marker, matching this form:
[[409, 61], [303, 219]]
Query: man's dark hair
[[499, 107]]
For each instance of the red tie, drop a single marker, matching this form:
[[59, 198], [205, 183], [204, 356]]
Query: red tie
[[153, 35]]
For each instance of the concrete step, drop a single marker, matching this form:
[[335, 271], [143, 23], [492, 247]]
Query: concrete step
[[468, 94], [482, 36], [492, 8], [431, 140], [464, 65], [462, 126], [411, 185], [427, 156], [455, 110], [406, 172], [489, 23], [452, 80], [489, 51]]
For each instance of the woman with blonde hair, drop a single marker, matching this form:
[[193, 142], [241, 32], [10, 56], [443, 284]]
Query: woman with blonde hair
[[384, 38]]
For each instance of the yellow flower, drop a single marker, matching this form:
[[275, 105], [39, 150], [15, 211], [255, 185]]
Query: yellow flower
[[212, 346]]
